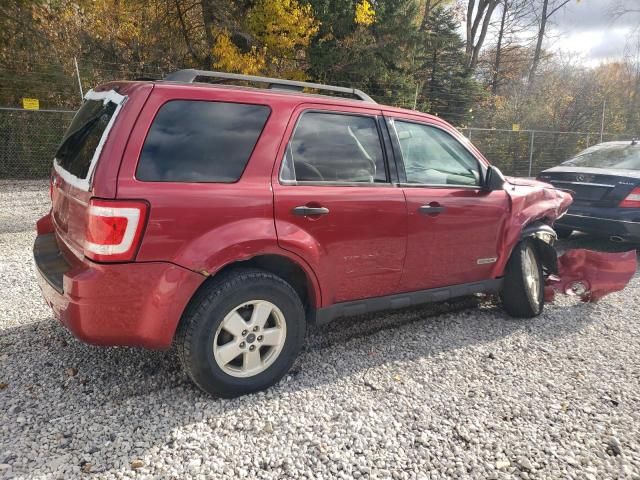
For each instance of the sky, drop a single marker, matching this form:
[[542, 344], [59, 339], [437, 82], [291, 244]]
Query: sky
[[587, 28]]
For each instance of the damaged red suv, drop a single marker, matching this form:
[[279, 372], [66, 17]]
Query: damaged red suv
[[224, 219]]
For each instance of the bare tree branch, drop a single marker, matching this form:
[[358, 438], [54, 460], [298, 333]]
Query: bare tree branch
[[544, 17], [479, 17]]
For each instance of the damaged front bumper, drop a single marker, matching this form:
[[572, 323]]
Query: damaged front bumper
[[591, 275]]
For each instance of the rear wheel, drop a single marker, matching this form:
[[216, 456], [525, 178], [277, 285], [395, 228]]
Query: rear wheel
[[241, 333], [523, 290], [563, 232]]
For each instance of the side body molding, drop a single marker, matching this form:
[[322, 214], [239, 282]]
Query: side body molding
[[404, 300]]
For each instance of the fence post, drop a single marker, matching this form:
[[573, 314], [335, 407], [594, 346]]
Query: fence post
[[415, 98], [75, 61], [587, 140], [469, 135], [533, 134], [604, 108]]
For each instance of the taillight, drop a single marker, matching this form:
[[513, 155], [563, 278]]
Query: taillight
[[114, 229], [632, 200]]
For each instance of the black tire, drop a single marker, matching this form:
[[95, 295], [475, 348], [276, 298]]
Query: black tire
[[563, 232], [197, 330], [519, 298]]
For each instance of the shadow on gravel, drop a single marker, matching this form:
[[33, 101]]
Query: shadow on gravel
[[141, 397]]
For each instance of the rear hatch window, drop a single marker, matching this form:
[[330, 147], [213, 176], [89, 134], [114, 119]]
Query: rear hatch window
[[613, 156], [78, 154]]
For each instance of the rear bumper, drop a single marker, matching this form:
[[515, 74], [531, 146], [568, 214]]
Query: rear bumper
[[132, 304], [603, 221]]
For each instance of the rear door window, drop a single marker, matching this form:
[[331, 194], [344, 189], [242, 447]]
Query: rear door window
[[335, 147], [201, 141]]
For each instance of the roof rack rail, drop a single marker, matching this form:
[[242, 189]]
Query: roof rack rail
[[190, 75]]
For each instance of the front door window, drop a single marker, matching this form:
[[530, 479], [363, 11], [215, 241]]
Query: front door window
[[433, 157]]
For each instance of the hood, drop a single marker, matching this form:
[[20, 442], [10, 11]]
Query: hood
[[527, 182], [533, 200]]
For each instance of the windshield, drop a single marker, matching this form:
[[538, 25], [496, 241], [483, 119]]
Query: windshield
[[618, 156], [81, 139]]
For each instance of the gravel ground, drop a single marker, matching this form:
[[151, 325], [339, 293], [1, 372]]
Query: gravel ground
[[453, 390]]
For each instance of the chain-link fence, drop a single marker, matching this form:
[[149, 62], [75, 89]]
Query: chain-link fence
[[526, 153], [29, 138], [28, 141]]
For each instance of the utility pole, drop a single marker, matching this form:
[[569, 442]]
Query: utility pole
[[75, 61], [604, 106]]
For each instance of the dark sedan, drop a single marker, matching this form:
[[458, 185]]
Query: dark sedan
[[605, 182]]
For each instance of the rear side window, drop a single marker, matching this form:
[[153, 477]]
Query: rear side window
[[81, 140], [332, 147], [200, 141]]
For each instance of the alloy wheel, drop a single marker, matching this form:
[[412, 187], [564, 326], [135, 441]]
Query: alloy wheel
[[531, 274], [249, 338]]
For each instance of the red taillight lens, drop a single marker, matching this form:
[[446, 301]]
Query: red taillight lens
[[106, 230], [632, 200], [114, 229]]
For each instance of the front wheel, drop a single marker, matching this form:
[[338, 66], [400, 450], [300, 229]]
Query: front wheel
[[241, 333], [522, 293]]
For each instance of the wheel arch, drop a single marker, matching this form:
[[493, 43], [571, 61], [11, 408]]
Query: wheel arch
[[294, 272], [300, 277], [543, 237]]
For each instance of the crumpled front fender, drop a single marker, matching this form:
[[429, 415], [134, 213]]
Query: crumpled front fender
[[533, 204], [591, 275]]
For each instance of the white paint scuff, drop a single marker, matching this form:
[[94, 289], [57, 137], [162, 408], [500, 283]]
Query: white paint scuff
[[85, 183]]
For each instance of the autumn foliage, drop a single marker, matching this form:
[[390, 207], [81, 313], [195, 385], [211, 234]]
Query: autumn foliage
[[403, 52]]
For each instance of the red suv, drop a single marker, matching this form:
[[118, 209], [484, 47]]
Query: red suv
[[225, 218]]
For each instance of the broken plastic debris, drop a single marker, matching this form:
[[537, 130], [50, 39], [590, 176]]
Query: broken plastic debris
[[591, 275]]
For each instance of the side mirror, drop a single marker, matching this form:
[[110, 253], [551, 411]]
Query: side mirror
[[493, 180]]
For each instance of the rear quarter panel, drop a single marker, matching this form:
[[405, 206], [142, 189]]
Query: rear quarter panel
[[69, 202], [106, 174]]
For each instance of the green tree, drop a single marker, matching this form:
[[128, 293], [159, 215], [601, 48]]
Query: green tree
[[447, 88], [368, 45]]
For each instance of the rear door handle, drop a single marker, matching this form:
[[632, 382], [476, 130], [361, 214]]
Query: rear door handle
[[304, 211], [431, 209]]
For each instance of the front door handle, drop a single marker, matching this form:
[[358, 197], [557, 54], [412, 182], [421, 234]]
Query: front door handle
[[431, 209], [304, 211]]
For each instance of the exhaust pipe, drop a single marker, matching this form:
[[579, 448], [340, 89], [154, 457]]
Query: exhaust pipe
[[617, 239]]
